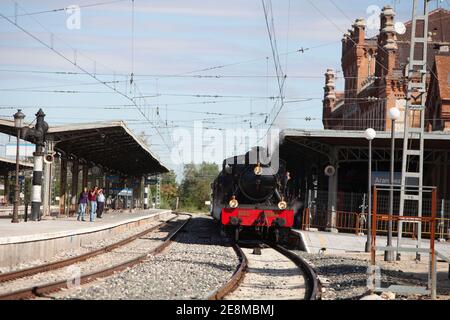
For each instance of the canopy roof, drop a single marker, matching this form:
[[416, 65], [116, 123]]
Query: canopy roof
[[7, 165], [110, 145], [438, 140]]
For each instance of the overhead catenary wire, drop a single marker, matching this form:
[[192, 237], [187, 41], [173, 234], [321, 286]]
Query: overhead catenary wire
[[132, 42], [65, 8], [279, 72], [338, 28], [198, 76], [50, 47]]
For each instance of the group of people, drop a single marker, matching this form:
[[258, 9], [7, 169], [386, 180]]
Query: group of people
[[96, 200]]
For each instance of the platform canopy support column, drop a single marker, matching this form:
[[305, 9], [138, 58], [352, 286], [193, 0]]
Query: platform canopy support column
[[47, 183], [85, 176], [6, 187], [146, 196], [142, 192], [332, 192], [75, 172], [74, 189], [107, 184], [63, 186]]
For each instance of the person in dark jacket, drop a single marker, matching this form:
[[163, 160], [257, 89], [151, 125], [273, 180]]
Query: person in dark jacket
[[82, 203]]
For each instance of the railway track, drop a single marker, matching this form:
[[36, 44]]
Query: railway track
[[41, 290], [267, 273]]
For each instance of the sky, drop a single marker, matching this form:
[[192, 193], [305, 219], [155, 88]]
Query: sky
[[194, 63]]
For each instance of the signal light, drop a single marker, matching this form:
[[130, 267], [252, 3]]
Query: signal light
[[233, 202], [282, 205], [258, 170]]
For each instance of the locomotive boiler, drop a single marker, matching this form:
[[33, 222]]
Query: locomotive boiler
[[251, 194]]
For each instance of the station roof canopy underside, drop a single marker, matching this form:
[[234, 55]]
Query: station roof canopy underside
[[110, 145], [8, 165], [325, 141]]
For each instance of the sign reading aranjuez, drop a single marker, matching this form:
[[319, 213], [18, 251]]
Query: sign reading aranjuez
[[383, 177]]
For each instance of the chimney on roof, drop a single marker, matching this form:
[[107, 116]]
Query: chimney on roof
[[329, 89], [387, 40], [359, 30], [388, 36], [329, 100]]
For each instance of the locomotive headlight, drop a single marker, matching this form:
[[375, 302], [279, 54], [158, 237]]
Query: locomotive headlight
[[282, 205], [233, 202], [258, 170]]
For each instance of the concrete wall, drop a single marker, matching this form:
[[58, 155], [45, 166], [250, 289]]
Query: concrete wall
[[15, 253]]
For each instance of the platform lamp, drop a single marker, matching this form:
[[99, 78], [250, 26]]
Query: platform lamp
[[394, 115], [18, 124], [370, 134]]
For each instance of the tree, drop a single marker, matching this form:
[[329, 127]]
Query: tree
[[195, 188], [169, 190]]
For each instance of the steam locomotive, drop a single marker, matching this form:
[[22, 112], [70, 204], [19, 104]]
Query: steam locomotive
[[251, 194]]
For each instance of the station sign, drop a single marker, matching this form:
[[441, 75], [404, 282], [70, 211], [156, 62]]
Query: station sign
[[113, 178], [151, 181], [122, 191], [383, 177]]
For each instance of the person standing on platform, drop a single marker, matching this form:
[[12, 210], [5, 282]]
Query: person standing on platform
[[82, 203], [100, 203], [93, 203]]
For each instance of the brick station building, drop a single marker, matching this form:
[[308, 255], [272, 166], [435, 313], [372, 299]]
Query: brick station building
[[375, 71]]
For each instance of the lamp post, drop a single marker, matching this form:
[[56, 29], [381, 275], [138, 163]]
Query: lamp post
[[18, 124], [394, 114], [370, 134]]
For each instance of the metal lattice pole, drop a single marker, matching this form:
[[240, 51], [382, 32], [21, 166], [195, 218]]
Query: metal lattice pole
[[158, 192], [417, 73], [146, 192]]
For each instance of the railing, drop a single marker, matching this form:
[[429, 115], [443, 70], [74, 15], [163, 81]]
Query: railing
[[354, 222]]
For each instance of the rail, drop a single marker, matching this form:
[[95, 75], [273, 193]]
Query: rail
[[309, 274], [235, 279], [42, 290]]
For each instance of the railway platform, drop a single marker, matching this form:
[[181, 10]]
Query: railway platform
[[27, 241], [341, 243]]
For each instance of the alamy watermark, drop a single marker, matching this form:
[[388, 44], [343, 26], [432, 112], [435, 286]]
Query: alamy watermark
[[73, 278], [374, 277], [213, 145], [73, 21], [373, 20]]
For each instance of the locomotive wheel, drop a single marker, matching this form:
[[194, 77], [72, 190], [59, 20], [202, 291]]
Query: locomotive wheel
[[223, 231], [276, 235], [236, 234]]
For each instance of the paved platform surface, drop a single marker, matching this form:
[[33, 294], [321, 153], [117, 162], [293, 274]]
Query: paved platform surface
[[62, 227], [340, 243]]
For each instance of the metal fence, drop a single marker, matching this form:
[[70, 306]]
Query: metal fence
[[351, 213]]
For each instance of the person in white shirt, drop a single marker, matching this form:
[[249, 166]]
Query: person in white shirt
[[100, 203]]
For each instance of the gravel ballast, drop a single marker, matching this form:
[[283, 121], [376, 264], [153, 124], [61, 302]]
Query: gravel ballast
[[345, 277], [196, 263]]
